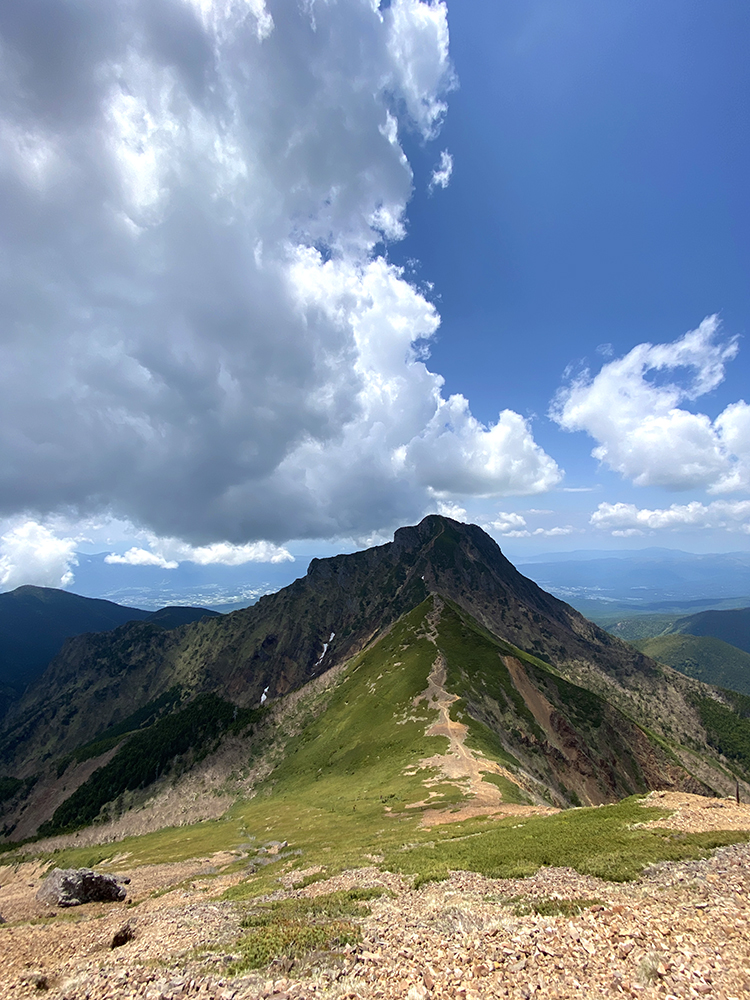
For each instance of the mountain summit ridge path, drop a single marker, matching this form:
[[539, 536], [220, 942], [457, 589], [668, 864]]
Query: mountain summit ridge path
[[461, 765]]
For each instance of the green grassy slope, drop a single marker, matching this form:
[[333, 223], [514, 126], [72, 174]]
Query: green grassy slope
[[633, 628], [362, 749], [704, 657], [349, 755], [354, 761], [353, 756]]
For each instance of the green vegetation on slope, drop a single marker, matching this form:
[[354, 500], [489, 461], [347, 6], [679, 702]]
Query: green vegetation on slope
[[355, 753], [290, 928], [349, 791], [140, 719], [728, 728], [474, 666], [733, 626], [607, 842], [503, 728], [548, 906], [634, 627], [145, 757], [340, 798], [9, 787], [710, 660]]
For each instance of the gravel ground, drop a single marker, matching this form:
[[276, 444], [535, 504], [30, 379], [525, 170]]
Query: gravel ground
[[680, 931]]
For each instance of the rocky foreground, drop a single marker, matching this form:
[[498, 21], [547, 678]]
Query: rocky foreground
[[682, 930]]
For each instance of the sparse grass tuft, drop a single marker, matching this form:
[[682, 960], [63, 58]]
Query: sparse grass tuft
[[344, 903], [291, 928], [547, 906]]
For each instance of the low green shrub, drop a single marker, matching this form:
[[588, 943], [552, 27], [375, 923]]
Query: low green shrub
[[608, 842], [291, 928]]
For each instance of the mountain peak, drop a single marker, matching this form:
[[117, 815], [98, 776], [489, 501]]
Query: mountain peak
[[340, 606]]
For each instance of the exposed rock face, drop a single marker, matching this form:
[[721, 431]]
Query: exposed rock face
[[74, 886]]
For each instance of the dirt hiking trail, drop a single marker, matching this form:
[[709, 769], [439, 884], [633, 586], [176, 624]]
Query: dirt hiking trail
[[460, 764]]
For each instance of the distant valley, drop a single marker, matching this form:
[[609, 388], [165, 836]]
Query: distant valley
[[607, 585]]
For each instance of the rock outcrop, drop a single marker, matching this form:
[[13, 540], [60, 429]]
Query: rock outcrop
[[74, 886]]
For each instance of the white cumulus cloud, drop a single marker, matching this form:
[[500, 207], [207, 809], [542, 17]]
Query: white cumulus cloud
[[512, 525], [141, 557], [197, 335], [642, 430], [455, 453], [441, 175], [454, 510], [625, 519], [32, 554], [168, 553], [506, 523]]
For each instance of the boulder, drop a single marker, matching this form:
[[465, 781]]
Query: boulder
[[122, 935], [74, 886]]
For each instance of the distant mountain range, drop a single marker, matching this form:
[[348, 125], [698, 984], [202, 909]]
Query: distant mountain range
[[554, 708], [713, 646], [605, 585], [35, 621]]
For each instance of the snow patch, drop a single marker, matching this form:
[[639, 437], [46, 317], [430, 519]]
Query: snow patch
[[325, 648]]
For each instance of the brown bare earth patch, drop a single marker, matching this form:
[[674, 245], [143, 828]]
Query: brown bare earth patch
[[554, 727]]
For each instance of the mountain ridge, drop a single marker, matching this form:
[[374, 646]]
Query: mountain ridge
[[581, 713], [36, 621], [278, 643], [731, 626]]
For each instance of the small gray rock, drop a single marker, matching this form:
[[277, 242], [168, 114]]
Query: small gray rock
[[123, 935], [74, 886]]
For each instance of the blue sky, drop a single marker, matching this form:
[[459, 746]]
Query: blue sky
[[599, 193], [598, 200], [278, 281]]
